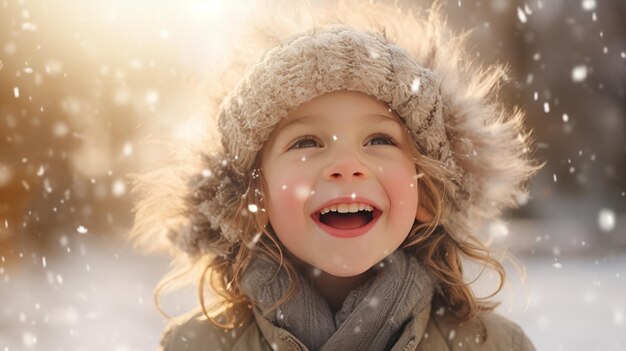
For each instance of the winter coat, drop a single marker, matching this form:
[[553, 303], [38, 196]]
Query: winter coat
[[425, 331]]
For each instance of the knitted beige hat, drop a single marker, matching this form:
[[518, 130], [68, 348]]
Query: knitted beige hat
[[446, 107]]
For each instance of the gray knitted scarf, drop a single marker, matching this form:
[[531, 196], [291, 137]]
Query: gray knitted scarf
[[372, 317]]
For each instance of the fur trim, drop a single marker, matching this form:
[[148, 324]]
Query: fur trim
[[414, 65]]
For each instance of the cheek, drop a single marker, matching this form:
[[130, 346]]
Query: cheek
[[288, 192], [400, 182]]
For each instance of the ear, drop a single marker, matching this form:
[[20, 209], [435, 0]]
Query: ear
[[423, 214]]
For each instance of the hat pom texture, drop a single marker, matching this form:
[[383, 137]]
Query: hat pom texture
[[416, 66]]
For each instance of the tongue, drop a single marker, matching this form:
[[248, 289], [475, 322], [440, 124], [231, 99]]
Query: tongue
[[345, 220]]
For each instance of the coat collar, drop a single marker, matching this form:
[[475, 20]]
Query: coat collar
[[281, 339]]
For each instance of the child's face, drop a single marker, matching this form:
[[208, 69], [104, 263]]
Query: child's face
[[347, 153]]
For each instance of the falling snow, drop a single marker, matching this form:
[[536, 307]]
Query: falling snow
[[498, 229], [589, 5], [128, 149], [606, 220], [415, 86], [27, 26], [118, 188], [254, 241], [302, 191], [521, 15], [90, 97], [374, 54], [60, 129], [579, 73], [152, 97], [618, 317]]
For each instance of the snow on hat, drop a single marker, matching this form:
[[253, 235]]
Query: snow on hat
[[446, 104]]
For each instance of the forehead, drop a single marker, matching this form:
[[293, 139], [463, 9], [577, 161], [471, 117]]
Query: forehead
[[340, 105]]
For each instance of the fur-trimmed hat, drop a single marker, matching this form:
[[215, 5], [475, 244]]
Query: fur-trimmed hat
[[445, 102]]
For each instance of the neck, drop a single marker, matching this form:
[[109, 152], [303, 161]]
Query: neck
[[335, 289]]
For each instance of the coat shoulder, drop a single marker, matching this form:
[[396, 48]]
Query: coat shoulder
[[490, 331], [502, 331], [195, 332]]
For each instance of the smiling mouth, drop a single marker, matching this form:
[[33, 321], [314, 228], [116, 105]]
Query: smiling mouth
[[347, 220], [347, 225]]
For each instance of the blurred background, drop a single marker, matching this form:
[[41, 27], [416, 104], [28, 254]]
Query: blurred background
[[90, 90]]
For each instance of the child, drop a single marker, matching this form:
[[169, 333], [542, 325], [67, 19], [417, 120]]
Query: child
[[357, 164]]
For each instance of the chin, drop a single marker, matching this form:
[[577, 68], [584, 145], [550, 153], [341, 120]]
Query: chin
[[345, 270]]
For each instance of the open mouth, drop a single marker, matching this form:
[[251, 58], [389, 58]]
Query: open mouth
[[347, 220], [347, 224]]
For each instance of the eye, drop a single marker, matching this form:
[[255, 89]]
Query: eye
[[382, 139], [304, 142]]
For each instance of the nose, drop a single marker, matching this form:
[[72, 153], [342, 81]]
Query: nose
[[346, 164]]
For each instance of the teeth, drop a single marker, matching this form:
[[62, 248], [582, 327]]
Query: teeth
[[347, 208]]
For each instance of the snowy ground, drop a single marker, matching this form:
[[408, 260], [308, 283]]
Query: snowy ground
[[99, 297], [578, 304]]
